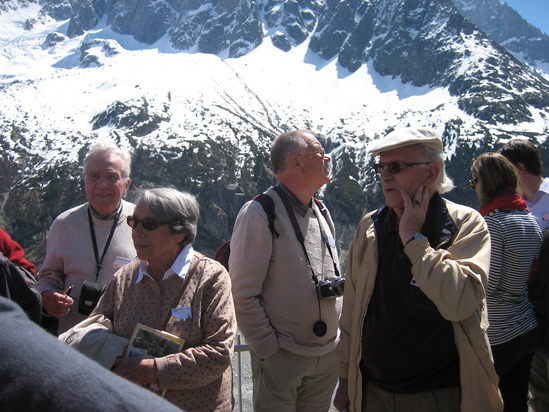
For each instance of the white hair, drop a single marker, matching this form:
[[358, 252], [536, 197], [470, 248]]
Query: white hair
[[110, 148], [179, 208], [443, 183]]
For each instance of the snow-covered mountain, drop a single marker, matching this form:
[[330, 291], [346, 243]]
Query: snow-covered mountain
[[198, 89], [505, 26]]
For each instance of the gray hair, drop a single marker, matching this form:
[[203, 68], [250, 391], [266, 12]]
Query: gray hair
[[443, 183], [171, 205], [284, 145], [110, 148]]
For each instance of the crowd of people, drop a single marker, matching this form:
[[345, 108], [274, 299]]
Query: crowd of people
[[441, 307]]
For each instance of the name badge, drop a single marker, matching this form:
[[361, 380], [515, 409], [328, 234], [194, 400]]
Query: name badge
[[181, 313], [119, 262]]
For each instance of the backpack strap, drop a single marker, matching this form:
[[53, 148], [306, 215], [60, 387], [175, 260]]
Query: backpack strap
[[223, 252], [267, 203]]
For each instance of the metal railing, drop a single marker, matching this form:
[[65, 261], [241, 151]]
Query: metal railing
[[242, 376], [239, 347]]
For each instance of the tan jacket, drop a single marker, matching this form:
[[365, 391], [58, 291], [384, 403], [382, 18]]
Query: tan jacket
[[454, 279]]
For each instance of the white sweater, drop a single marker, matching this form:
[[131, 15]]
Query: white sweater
[[70, 258]]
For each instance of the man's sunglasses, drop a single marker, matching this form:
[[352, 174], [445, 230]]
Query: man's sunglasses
[[395, 167], [147, 223]]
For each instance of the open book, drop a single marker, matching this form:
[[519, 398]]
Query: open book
[[148, 343]]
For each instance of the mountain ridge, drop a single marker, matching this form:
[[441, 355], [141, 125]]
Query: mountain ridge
[[204, 122], [506, 27]]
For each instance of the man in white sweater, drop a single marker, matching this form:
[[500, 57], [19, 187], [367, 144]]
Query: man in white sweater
[[527, 158], [281, 282], [89, 242]]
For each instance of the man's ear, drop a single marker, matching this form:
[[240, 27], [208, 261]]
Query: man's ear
[[434, 171], [128, 183], [295, 161], [521, 168]]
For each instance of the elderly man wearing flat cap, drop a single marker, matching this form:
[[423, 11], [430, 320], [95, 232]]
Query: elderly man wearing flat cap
[[413, 326]]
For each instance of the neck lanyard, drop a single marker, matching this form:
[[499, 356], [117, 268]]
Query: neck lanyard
[[94, 241]]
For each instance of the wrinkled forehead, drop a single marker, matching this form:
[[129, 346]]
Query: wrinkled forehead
[[105, 162], [311, 140]]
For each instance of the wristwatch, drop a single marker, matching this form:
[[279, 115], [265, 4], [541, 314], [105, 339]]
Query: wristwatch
[[416, 236]]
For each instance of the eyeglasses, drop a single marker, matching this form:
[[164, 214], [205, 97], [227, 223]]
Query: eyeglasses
[[148, 223], [473, 182], [318, 151], [396, 167]]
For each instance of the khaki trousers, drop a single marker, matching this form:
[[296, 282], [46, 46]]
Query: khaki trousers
[[292, 383]]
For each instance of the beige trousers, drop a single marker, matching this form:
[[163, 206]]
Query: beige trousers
[[292, 383]]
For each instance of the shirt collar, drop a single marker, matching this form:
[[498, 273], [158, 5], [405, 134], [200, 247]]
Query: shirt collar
[[180, 266], [543, 188], [294, 201], [112, 216]]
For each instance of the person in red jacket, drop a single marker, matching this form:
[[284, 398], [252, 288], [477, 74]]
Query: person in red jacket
[[17, 278], [14, 252]]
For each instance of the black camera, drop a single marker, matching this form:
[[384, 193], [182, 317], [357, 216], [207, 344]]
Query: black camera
[[330, 288], [89, 296]]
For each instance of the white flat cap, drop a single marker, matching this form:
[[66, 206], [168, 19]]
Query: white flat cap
[[406, 137]]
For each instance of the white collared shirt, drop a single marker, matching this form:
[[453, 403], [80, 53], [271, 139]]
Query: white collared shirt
[[540, 206], [180, 266]]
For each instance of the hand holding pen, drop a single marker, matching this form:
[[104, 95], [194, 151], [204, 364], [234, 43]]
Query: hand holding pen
[[57, 304]]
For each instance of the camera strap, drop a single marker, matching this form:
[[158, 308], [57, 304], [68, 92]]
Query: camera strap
[[319, 328], [299, 234], [98, 261], [295, 225]]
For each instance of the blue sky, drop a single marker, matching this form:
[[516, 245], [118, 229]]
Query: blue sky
[[535, 11]]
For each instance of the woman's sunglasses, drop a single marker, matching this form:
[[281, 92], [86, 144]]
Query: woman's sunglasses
[[473, 182], [148, 223]]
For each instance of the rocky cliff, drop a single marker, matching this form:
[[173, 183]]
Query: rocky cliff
[[100, 69]]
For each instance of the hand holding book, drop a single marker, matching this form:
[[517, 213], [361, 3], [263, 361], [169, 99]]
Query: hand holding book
[[145, 344], [139, 371]]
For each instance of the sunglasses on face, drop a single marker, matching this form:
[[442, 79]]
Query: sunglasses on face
[[395, 167], [148, 223]]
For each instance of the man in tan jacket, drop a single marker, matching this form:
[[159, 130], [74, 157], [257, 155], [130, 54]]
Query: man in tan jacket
[[413, 326]]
